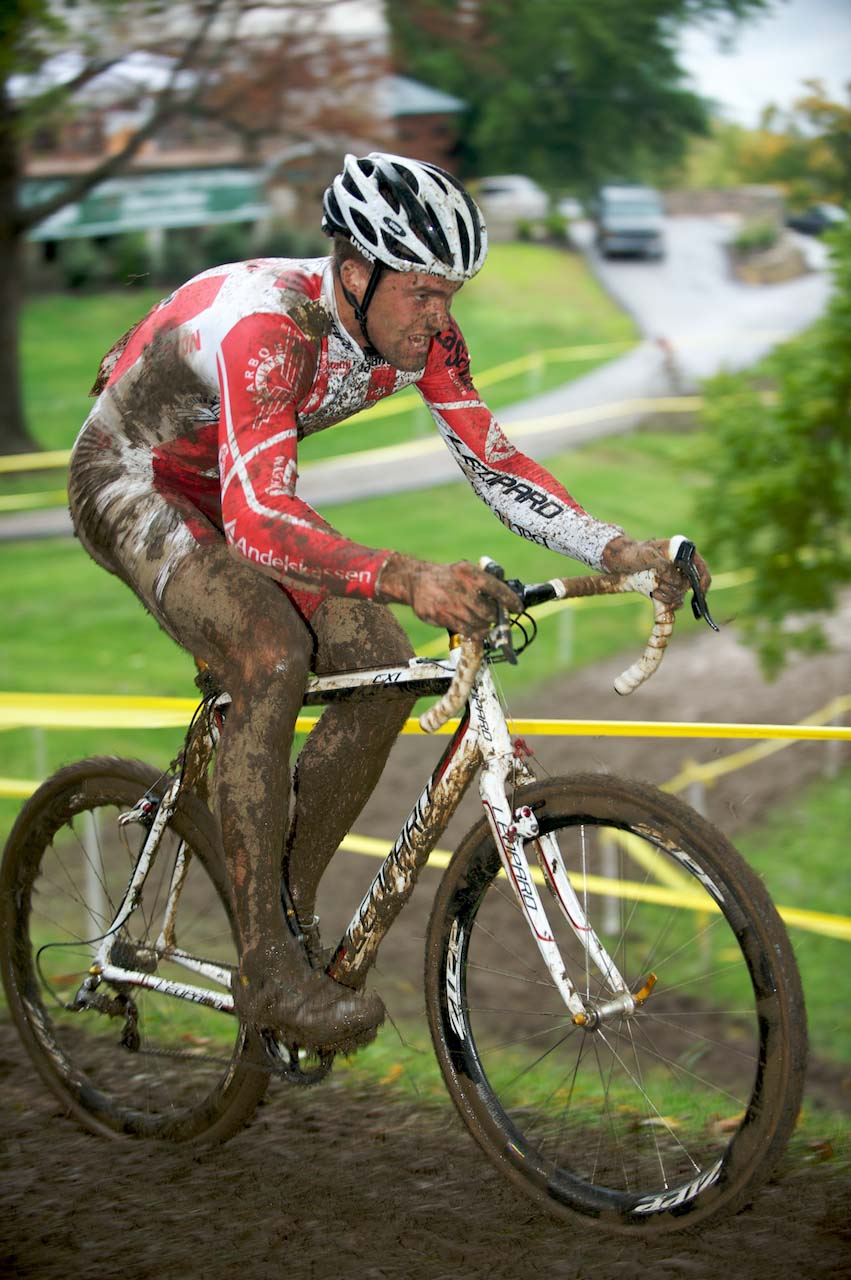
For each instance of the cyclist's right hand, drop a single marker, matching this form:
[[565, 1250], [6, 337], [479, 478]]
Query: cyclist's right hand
[[457, 596]]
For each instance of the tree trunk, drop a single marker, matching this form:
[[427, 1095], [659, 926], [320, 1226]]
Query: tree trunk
[[14, 436]]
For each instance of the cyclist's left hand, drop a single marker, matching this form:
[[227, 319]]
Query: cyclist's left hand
[[623, 555]]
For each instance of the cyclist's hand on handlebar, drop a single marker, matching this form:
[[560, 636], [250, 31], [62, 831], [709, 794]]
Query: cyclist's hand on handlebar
[[457, 596], [623, 555]]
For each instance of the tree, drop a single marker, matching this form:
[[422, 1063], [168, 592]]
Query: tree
[[566, 91], [779, 492], [270, 70], [805, 151]]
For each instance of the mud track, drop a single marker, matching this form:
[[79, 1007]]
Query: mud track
[[345, 1181]]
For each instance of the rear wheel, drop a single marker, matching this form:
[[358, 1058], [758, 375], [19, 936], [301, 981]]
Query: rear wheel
[[654, 1120], [136, 1062]]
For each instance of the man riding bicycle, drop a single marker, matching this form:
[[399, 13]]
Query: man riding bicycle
[[183, 482]]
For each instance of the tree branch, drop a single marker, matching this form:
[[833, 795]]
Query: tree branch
[[168, 103]]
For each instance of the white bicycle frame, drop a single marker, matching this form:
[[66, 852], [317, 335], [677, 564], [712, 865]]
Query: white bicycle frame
[[481, 741]]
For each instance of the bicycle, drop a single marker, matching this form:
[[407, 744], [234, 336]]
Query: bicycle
[[644, 1071]]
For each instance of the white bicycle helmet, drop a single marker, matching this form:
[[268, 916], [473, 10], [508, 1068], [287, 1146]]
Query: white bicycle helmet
[[406, 215]]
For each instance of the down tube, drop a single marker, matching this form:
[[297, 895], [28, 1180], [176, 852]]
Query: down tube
[[395, 882]]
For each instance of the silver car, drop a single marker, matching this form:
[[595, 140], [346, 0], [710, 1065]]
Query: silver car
[[629, 220]]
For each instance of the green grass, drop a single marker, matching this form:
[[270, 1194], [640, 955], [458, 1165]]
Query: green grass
[[71, 628], [801, 851], [63, 338]]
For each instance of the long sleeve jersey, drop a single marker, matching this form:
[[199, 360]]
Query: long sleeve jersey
[[214, 388]]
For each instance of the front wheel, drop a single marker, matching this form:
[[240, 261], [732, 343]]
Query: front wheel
[[657, 1119], [133, 1062]]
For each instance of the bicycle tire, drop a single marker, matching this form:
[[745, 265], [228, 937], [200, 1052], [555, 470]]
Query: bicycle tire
[[656, 1121], [186, 1073]]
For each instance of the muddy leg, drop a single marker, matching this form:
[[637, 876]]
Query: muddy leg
[[344, 755], [259, 649]]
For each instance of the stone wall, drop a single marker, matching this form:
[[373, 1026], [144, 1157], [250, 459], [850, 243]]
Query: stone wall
[[750, 203]]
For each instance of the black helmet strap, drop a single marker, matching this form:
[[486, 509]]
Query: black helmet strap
[[360, 308]]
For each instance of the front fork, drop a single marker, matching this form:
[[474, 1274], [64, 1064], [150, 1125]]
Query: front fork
[[512, 831]]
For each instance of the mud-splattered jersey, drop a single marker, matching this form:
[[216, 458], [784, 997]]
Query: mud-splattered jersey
[[215, 387]]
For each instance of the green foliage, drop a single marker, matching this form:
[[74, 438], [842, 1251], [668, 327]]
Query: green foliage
[[131, 261], [182, 256], [283, 240], [229, 242], [779, 497], [756, 235], [556, 88], [82, 265], [798, 848], [556, 227], [806, 152]]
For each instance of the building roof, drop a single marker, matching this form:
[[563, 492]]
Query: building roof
[[406, 97]]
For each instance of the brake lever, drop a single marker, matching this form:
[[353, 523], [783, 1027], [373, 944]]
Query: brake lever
[[500, 634], [684, 561]]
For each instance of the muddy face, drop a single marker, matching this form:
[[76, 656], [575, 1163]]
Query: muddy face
[[408, 310]]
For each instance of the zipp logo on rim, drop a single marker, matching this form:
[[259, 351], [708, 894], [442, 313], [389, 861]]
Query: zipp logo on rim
[[453, 982], [671, 1199]]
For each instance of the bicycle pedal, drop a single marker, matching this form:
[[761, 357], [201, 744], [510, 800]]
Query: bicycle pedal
[[295, 1064]]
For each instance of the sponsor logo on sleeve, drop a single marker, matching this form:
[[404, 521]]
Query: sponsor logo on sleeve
[[284, 476], [497, 448]]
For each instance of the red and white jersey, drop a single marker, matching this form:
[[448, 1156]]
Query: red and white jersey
[[213, 389]]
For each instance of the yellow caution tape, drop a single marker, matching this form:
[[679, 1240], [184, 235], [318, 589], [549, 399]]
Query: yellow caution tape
[[17, 788], [63, 711], [28, 501], [108, 711], [830, 926], [45, 461]]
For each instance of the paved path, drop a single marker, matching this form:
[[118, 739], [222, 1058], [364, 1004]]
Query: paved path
[[705, 321]]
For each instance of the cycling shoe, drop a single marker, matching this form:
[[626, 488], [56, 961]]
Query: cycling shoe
[[314, 1011]]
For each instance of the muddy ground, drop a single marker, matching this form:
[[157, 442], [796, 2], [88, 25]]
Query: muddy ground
[[345, 1181]]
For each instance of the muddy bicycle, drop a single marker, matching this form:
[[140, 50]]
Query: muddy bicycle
[[612, 997]]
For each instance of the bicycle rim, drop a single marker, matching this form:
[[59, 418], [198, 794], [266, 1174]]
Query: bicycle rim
[[139, 1063], [656, 1120]]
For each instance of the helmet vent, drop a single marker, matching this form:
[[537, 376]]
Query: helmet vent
[[463, 237], [352, 187], [437, 241], [363, 226], [403, 251], [407, 176]]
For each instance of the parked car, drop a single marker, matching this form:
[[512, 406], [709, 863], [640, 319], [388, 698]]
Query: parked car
[[817, 219], [511, 198], [629, 219]]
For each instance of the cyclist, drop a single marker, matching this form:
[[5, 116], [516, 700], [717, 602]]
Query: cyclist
[[184, 483]]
